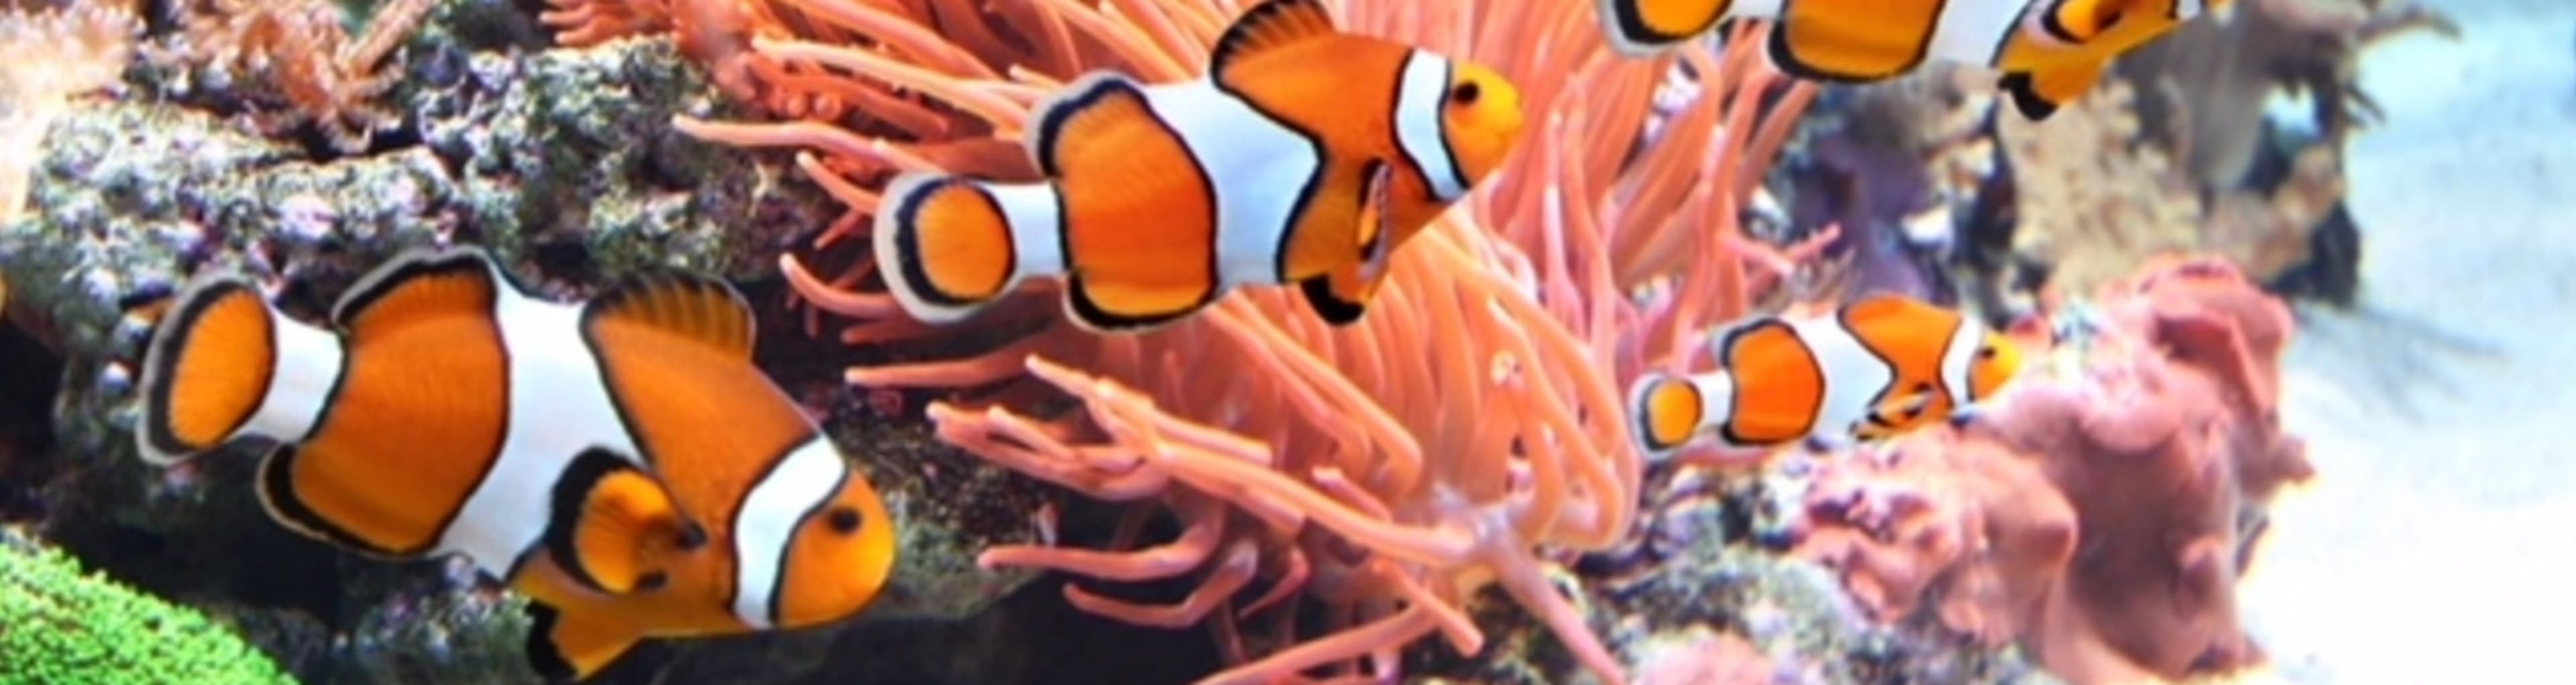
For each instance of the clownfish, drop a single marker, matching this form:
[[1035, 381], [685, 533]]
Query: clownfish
[[1872, 369], [2049, 51], [1305, 155], [620, 462]]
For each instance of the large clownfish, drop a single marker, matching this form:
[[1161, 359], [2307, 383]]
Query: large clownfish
[[1872, 369], [2050, 51], [1305, 155], [621, 461]]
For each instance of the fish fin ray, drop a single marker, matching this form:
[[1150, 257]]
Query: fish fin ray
[[610, 522], [688, 305], [207, 369], [1268, 26]]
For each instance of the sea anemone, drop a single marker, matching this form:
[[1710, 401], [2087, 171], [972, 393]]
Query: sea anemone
[[1390, 469], [46, 58]]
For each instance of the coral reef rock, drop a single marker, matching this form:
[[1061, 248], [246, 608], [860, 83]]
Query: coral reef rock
[[2101, 512], [2175, 152], [565, 163]]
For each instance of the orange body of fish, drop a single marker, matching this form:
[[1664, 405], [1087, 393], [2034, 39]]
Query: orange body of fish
[[2049, 51], [1304, 156], [620, 461], [1872, 369]]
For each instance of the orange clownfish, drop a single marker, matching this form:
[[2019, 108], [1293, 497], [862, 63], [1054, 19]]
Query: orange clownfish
[[620, 461], [2050, 51], [1305, 155], [1872, 369]]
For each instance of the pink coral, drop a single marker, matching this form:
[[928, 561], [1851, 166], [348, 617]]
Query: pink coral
[[2101, 517]]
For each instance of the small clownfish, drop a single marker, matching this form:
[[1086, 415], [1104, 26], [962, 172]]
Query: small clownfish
[[1306, 155], [1875, 368], [2050, 51], [621, 461]]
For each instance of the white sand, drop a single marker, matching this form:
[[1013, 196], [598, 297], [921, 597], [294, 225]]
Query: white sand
[[2439, 543]]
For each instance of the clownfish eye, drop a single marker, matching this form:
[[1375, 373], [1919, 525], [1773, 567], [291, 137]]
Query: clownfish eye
[[1465, 94], [844, 520], [1986, 353]]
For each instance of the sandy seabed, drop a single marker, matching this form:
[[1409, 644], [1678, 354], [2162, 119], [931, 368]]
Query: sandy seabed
[[2438, 544]]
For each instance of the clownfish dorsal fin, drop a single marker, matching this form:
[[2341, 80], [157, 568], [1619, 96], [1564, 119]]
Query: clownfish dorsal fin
[[1073, 121], [612, 521], [1882, 305], [570, 647], [683, 304], [420, 283], [1267, 26], [1727, 341]]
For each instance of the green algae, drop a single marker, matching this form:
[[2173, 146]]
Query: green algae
[[60, 626]]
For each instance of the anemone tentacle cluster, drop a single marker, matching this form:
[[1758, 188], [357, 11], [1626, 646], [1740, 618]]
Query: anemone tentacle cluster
[[1463, 435]]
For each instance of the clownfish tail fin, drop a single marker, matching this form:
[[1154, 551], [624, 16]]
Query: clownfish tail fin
[[949, 246], [573, 647], [224, 364], [1671, 410]]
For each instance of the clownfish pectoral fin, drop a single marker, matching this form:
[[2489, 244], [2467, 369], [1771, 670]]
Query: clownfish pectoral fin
[[2039, 93], [1965, 415], [1267, 26], [207, 370], [1903, 409], [573, 647], [610, 521], [1340, 296], [1642, 28], [688, 305]]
